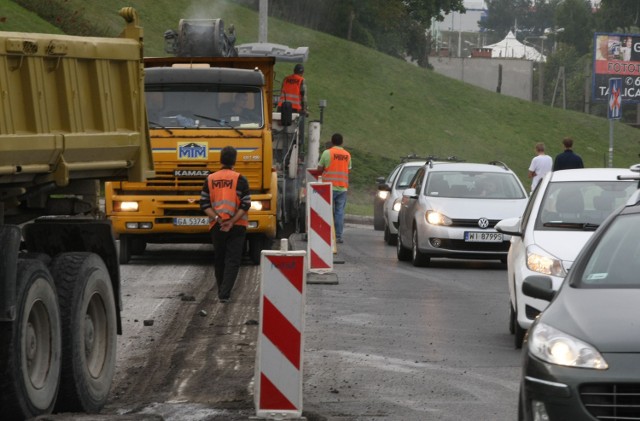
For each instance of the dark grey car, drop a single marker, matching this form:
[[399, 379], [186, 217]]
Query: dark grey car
[[581, 357]]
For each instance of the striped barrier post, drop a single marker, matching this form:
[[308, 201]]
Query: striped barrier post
[[278, 379], [320, 240]]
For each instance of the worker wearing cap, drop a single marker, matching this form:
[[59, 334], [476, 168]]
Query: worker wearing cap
[[294, 90]]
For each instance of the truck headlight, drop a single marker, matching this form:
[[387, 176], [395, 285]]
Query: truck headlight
[[259, 205], [126, 206], [383, 194]]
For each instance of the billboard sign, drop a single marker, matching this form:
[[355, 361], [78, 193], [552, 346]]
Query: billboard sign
[[616, 56]]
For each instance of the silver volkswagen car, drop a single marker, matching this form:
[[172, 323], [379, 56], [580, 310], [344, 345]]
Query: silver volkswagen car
[[450, 210]]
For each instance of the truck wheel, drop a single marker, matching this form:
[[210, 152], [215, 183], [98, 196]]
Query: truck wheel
[[30, 346], [257, 243], [138, 246], [88, 316], [125, 249]]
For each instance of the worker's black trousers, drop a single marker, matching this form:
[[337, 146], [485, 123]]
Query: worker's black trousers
[[228, 247]]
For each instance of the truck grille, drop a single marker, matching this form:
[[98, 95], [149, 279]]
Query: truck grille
[[612, 402]]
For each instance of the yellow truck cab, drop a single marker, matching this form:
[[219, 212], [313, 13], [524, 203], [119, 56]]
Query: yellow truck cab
[[191, 118]]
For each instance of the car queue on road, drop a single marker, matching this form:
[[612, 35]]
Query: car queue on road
[[449, 210]]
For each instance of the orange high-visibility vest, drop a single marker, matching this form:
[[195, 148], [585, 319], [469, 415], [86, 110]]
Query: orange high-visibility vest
[[290, 92], [338, 170], [224, 199]]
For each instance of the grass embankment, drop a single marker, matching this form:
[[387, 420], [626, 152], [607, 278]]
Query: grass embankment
[[387, 108]]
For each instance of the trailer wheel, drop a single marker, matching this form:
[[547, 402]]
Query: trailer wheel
[[30, 346], [88, 315], [125, 249]]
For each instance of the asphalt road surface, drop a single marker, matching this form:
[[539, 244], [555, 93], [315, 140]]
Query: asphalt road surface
[[388, 342]]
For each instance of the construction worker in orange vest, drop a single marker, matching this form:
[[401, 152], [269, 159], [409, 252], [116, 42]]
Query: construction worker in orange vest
[[226, 199], [335, 164], [294, 90]]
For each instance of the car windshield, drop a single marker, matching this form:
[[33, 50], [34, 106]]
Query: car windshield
[[407, 173], [473, 185], [201, 105], [615, 261], [581, 204]]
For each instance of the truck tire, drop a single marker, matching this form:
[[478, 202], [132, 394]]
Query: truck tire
[[30, 346], [125, 249], [88, 316], [257, 243]]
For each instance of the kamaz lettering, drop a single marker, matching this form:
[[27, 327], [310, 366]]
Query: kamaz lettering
[[192, 151], [222, 184], [191, 173]]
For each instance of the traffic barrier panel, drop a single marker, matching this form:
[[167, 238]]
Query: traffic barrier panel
[[278, 384], [320, 240]]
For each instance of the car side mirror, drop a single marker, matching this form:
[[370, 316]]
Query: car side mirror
[[384, 186], [509, 226], [537, 286], [380, 180], [410, 193]]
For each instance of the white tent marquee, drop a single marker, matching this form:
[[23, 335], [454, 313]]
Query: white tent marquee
[[510, 47]]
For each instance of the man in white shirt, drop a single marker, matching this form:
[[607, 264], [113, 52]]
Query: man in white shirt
[[541, 164]]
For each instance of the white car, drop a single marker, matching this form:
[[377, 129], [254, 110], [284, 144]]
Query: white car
[[563, 212], [450, 210], [397, 181]]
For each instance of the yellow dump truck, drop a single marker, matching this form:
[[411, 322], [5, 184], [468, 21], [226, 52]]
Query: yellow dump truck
[[72, 113], [190, 104]]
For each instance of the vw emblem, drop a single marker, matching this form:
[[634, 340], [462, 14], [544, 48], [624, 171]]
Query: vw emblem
[[483, 223]]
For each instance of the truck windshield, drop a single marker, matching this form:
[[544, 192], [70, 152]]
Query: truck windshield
[[203, 106]]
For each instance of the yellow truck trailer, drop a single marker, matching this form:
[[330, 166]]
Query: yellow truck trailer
[[72, 113]]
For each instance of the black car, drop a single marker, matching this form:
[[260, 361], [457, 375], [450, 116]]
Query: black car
[[581, 357]]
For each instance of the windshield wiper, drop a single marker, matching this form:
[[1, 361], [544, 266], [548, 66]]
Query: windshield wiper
[[161, 126], [586, 226], [224, 123]]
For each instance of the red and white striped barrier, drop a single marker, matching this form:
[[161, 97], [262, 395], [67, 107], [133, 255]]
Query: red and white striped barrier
[[278, 384], [320, 227]]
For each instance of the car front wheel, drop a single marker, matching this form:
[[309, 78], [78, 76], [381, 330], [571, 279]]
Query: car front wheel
[[418, 258], [403, 253]]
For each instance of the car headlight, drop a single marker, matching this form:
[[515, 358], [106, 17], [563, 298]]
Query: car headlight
[[542, 262], [436, 218], [556, 347], [397, 205], [383, 194]]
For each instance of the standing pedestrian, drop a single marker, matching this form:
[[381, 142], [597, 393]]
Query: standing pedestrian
[[568, 159], [294, 90], [226, 199], [335, 164], [541, 164]]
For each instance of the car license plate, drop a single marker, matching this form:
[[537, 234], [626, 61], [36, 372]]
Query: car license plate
[[194, 221], [483, 237]]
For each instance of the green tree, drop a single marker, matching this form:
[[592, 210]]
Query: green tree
[[395, 27], [618, 15], [577, 19]]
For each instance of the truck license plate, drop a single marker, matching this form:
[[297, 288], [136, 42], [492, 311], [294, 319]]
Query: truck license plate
[[191, 221], [483, 237]]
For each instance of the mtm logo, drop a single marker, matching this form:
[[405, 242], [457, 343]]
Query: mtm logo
[[222, 184], [192, 150]]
